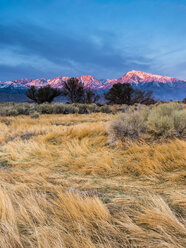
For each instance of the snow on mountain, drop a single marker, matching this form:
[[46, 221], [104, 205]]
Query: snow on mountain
[[38, 82], [90, 82], [12, 84], [143, 77], [23, 81], [55, 82], [109, 83], [163, 87], [133, 77]]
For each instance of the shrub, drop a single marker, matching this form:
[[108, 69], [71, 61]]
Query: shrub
[[160, 121], [12, 112], [167, 120], [105, 109], [128, 125], [83, 109], [22, 109], [54, 108], [180, 122], [45, 108], [58, 108], [160, 125], [34, 115], [123, 108], [71, 109], [93, 108]]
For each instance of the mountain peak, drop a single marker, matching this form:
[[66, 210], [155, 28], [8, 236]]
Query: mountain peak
[[134, 72], [144, 77], [163, 87], [86, 77], [90, 82]]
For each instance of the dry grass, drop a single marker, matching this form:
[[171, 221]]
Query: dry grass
[[61, 186]]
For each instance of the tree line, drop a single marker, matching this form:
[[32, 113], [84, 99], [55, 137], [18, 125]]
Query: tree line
[[76, 92]]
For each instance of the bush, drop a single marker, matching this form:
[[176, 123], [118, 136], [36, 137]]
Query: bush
[[93, 108], [83, 109], [8, 109], [160, 121], [105, 109], [45, 108], [34, 115], [167, 120], [58, 108], [22, 109], [11, 112], [130, 125], [71, 109], [160, 125], [180, 122]]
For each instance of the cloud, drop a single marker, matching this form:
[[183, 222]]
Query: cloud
[[95, 53], [10, 72]]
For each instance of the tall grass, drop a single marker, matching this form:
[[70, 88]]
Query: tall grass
[[62, 186], [36, 213]]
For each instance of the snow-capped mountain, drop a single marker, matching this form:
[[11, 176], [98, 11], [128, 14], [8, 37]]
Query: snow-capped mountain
[[164, 88], [143, 77], [22, 83], [90, 82], [57, 82], [108, 83]]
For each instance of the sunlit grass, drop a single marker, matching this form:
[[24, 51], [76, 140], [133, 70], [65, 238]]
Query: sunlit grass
[[62, 185]]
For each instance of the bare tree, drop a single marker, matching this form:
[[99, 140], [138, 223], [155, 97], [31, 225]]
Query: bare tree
[[144, 97], [77, 93], [43, 94], [120, 94], [90, 96], [73, 89], [125, 94]]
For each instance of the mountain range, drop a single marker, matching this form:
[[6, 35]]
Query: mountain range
[[163, 87]]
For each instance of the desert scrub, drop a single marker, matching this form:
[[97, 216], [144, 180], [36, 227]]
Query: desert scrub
[[58, 108], [13, 109], [11, 112], [159, 121], [105, 109], [167, 120], [71, 109], [45, 108], [93, 108], [23, 109], [130, 125], [34, 115]]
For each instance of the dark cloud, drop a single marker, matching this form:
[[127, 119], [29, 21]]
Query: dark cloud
[[9, 72], [67, 50]]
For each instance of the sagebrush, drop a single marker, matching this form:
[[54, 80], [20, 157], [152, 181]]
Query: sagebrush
[[166, 120], [14, 109]]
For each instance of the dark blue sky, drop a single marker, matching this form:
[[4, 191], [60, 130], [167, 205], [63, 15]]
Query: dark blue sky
[[105, 38]]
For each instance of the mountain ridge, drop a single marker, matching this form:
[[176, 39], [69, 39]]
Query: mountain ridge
[[90, 81], [164, 87]]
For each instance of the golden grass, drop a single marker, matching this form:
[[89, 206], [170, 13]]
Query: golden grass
[[61, 185]]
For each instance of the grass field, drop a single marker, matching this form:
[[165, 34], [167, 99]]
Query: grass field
[[63, 186]]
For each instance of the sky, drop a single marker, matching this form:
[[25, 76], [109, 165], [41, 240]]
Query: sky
[[102, 38]]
